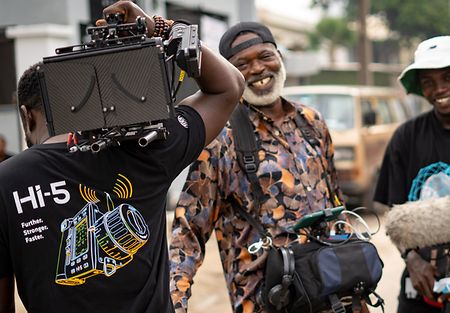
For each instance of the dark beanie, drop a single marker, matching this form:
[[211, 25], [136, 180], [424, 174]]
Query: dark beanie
[[244, 27]]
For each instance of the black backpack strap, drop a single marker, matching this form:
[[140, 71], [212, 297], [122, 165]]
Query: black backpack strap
[[247, 216], [307, 130], [379, 303], [356, 303], [247, 150], [311, 138]]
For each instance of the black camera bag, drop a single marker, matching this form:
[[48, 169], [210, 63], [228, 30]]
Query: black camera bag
[[322, 275]]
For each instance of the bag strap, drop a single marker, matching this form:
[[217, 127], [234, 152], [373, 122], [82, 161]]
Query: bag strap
[[336, 304], [379, 303], [310, 136], [306, 129], [248, 217], [247, 150]]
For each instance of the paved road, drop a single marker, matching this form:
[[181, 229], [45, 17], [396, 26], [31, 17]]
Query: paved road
[[210, 294]]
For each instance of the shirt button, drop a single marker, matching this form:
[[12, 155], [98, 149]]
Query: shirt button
[[308, 188], [277, 132]]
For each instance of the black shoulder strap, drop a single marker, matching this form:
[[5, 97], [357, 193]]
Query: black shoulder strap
[[311, 137], [307, 130], [248, 217], [247, 150], [247, 153]]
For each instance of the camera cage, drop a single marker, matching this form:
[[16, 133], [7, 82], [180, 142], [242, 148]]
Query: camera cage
[[118, 86]]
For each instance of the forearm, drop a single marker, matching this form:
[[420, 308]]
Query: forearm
[[219, 77], [186, 255], [192, 225], [221, 86]]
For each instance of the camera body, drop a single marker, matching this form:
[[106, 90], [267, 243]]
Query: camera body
[[94, 243], [184, 44], [117, 86], [107, 87]]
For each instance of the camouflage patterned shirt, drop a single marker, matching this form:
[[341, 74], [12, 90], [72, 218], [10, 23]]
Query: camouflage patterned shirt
[[291, 174]]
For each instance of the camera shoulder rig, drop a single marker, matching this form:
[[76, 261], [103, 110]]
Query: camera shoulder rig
[[118, 86]]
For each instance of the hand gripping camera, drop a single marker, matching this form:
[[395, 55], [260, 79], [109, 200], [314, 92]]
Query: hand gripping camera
[[119, 86], [93, 243]]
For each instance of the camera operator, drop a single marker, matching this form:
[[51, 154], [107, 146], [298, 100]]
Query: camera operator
[[84, 232]]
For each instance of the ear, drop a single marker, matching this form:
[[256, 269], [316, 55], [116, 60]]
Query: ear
[[279, 53], [27, 119]]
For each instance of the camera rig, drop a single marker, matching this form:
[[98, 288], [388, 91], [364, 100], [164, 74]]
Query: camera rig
[[118, 86]]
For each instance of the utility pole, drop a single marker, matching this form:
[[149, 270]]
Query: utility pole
[[364, 45]]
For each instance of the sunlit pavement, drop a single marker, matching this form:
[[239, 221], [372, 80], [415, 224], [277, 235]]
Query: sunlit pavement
[[209, 293]]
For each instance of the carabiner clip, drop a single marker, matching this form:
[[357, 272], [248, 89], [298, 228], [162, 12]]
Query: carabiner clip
[[264, 243]]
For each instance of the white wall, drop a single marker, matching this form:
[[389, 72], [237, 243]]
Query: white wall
[[33, 42]]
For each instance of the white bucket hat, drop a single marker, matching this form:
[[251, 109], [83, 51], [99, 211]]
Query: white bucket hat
[[433, 53]]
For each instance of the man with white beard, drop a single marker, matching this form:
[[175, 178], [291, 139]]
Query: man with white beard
[[296, 178]]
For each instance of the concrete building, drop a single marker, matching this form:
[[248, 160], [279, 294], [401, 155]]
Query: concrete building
[[31, 29]]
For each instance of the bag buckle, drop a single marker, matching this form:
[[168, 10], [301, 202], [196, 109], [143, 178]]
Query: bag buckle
[[264, 243], [249, 163], [336, 304]]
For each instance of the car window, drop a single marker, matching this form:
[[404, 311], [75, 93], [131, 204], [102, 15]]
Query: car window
[[368, 114], [400, 110], [337, 110], [384, 115]]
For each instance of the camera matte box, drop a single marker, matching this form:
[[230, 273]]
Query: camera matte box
[[105, 88]]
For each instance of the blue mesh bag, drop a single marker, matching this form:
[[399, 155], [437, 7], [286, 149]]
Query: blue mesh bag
[[432, 181]]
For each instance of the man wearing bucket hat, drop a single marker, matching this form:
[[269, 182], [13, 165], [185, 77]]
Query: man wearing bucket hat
[[417, 146], [294, 179]]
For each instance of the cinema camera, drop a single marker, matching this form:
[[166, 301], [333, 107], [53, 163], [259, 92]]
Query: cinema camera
[[119, 86], [94, 243]]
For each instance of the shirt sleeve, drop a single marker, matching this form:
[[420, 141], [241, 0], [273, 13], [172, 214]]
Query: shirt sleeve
[[186, 138], [195, 216]]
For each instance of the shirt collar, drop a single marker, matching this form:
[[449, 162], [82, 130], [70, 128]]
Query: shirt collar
[[256, 115]]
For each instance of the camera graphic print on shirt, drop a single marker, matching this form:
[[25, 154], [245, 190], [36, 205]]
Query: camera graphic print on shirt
[[95, 242]]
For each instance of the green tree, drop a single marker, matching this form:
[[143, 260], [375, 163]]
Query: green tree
[[411, 19], [334, 32], [414, 19]]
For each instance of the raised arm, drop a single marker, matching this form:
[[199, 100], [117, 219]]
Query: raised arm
[[221, 84]]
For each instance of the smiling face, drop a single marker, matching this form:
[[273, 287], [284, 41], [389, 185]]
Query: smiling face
[[435, 85], [263, 71]]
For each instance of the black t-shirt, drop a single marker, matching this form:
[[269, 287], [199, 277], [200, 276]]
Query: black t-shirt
[[416, 144], [5, 157], [86, 232]]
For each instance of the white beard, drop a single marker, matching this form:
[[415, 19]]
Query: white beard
[[270, 97]]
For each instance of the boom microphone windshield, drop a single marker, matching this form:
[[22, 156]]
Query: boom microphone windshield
[[419, 224]]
